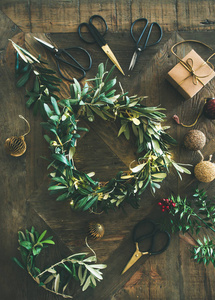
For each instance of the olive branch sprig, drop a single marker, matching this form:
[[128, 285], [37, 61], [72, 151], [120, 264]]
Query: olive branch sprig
[[57, 277], [45, 83]]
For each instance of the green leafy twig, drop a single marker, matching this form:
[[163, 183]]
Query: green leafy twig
[[192, 215], [204, 252], [45, 82], [57, 277]]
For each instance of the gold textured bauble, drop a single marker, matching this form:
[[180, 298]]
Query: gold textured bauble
[[194, 140], [205, 171], [15, 146], [96, 230]]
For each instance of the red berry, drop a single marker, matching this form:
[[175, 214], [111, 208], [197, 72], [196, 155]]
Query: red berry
[[167, 207], [163, 209], [159, 203], [173, 204]]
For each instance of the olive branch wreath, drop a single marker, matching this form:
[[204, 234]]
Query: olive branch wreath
[[96, 98]]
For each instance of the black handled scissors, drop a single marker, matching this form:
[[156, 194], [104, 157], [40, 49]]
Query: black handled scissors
[[140, 47], [63, 56], [152, 240], [99, 38]]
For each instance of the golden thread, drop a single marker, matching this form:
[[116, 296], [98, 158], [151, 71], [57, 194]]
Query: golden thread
[[199, 114]]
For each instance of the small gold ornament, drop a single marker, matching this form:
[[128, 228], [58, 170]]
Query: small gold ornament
[[16, 146], [96, 230]]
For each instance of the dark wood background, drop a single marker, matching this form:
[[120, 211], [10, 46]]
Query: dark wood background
[[23, 185]]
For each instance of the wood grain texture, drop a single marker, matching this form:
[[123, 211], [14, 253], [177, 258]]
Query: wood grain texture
[[152, 280], [198, 15], [65, 16], [13, 210], [171, 275]]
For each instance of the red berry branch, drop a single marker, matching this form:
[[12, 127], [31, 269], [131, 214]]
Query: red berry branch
[[191, 215], [166, 204]]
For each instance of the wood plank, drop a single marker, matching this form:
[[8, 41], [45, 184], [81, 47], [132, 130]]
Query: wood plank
[[122, 16], [195, 15], [52, 17], [151, 277], [64, 15], [92, 147], [13, 213], [89, 8], [162, 12]]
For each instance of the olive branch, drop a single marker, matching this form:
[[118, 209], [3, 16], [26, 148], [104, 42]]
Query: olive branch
[[56, 278]]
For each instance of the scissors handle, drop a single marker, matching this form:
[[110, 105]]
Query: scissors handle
[[145, 44], [151, 250], [76, 64], [142, 32], [97, 36], [142, 229], [149, 33], [150, 234]]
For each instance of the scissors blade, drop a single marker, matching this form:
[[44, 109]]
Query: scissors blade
[[133, 61], [137, 255], [46, 45], [112, 57]]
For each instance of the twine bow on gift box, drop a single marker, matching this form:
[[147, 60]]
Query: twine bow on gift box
[[189, 65]]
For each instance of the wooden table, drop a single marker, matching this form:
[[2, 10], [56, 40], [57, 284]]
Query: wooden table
[[23, 187]]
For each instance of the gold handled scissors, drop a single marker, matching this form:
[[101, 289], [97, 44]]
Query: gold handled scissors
[[148, 235], [99, 38]]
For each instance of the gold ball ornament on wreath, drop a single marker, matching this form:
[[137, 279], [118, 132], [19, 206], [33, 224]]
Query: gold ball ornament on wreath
[[194, 140], [204, 171]]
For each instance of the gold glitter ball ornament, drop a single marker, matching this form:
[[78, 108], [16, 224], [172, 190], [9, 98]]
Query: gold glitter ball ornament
[[96, 230], [16, 146], [205, 171], [194, 140]]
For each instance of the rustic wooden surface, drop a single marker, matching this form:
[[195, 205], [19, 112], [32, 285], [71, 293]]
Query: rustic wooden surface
[[24, 197]]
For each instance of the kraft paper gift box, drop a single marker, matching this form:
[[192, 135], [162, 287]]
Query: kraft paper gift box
[[190, 75]]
